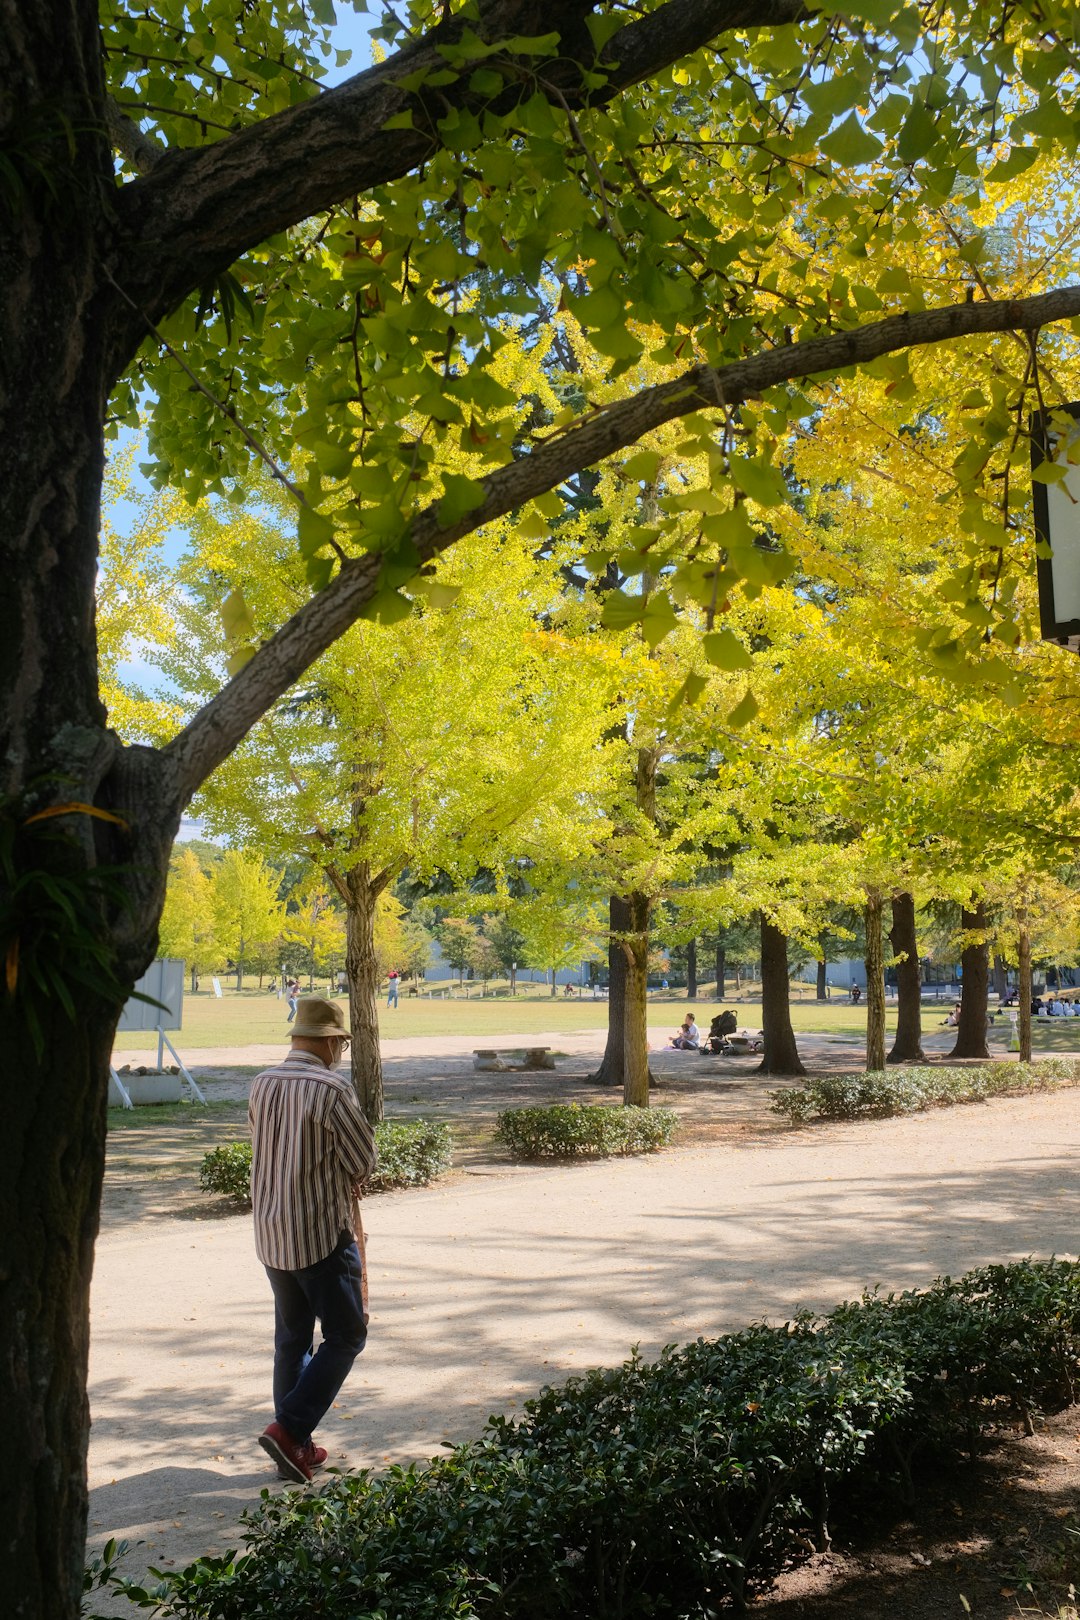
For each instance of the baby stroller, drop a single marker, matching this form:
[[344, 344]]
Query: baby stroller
[[724, 1024]]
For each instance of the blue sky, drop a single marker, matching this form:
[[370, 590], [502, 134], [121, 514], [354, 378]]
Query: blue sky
[[351, 34]]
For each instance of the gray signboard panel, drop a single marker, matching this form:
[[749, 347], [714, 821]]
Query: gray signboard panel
[[164, 981]]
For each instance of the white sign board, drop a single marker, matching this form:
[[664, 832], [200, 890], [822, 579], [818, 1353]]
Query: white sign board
[[164, 981]]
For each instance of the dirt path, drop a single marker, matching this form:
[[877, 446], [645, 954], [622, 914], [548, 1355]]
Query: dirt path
[[502, 1279]]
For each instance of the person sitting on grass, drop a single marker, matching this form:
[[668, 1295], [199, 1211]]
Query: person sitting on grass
[[687, 1038]]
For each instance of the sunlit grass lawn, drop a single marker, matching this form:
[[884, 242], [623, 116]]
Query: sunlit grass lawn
[[258, 1017]]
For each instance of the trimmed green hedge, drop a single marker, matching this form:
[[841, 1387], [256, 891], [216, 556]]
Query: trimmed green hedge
[[411, 1154], [673, 1488], [885, 1093], [571, 1131]]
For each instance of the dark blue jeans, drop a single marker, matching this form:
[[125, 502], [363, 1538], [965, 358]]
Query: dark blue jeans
[[329, 1291]]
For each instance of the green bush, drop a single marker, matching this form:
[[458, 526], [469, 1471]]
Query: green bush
[[672, 1488], [411, 1153], [885, 1093], [568, 1130], [227, 1170]]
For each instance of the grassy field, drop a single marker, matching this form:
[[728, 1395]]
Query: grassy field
[[258, 1017]]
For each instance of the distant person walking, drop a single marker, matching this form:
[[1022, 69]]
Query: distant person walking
[[292, 996], [392, 988], [311, 1151]]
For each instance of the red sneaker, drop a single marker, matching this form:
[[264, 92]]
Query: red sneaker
[[294, 1460], [314, 1456]]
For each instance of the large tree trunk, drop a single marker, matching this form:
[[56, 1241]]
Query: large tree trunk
[[691, 970], [54, 382], [54, 1121], [822, 982], [1024, 975], [874, 962], [721, 973], [781, 1054], [362, 973], [975, 960], [907, 1043]]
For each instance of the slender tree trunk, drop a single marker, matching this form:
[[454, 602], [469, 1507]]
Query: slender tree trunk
[[362, 973], [907, 1043], [975, 960], [691, 970], [874, 962], [822, 982], [613, 1063], [1001, 977], [1024, 975], [636, 1074], [721, 973], [553, 985], [781, 1054]]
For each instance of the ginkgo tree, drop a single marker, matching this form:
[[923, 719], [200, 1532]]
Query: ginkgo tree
[[461, 736], [192, 225]]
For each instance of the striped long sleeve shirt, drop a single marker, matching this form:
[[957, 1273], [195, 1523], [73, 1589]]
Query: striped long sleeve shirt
[[310, 1145]]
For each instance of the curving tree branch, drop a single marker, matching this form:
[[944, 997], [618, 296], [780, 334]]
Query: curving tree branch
[[198, 210], [226, 719]]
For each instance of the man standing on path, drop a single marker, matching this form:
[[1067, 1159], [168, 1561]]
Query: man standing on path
[[311, 1149]]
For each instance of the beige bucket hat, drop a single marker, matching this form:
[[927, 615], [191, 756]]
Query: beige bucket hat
[[317, 1017]]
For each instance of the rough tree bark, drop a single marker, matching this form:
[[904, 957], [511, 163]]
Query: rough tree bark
[[975, 961], [874, 962], [613, 1063], [637, 1077], [781, 1055], [822, 982], [626, 1054], [1000, 977], [362, 973], [691, 970], [907, 1042], [1023, 947]]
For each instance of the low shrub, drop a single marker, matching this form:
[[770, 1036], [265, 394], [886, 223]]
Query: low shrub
[[671, 1488], [411, 1153], [227, 1171], [570, 1131], [884, 1093]]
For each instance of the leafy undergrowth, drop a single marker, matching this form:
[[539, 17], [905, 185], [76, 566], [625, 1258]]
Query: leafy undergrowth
[[679, 1488], [885, 1093]]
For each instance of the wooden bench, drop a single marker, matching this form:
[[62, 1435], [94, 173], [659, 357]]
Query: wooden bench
[[536, 1057]]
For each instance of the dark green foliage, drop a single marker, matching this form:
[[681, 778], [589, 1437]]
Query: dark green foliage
[[671, 1488], [887, 1092], [411, 1153], [227, 1170], [570, 1131]]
